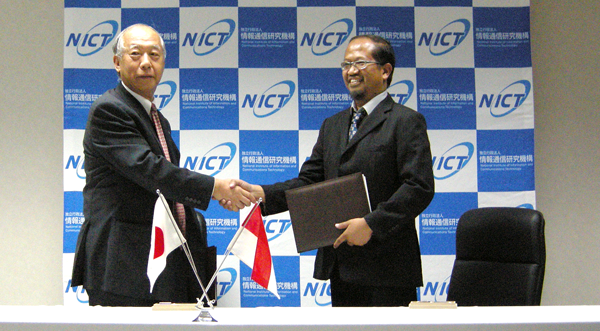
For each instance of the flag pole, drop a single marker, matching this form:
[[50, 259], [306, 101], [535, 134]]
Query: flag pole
[[185, 247], [230, 246]]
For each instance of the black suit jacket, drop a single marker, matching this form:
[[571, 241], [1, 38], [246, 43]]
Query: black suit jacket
[[391, 148], [125, 165]]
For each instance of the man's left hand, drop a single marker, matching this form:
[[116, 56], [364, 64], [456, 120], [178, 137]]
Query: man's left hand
[[357, 232]]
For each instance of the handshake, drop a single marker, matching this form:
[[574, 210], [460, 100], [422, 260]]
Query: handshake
[[236, 194]]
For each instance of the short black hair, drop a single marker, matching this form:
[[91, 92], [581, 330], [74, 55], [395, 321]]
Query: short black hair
[[384, 52]]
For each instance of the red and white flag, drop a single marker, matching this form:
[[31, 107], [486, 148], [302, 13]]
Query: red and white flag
[[166, 237], [252, 248]]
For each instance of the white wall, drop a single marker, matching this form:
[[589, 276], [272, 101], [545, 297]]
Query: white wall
[[31, 115], [565, 49], [566, 54]]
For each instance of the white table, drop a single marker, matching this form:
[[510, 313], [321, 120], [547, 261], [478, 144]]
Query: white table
[[62, 318]]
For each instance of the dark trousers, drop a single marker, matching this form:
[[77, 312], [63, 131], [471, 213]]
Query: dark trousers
[[344, 294], [107, 299]]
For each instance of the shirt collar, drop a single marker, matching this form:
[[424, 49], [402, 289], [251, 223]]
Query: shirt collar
[[373, 103], [147, 104]]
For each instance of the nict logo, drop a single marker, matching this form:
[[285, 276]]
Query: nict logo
[[447, 39], [214, 161], [79, 291], [165, 92], [223, 286], [95, 39], [507, 100], [275, 228], [525, 206], [211, 39], [320, 291], [401, 91], [439, 290], [272, 100], [76, 163], [453, 160], [330, 38]]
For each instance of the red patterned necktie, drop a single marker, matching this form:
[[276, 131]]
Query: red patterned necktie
[[179, 209]]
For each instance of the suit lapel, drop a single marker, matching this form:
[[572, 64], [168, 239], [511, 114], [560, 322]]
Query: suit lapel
[[377, 116], [343, 127], [173, 150], [148, 127]]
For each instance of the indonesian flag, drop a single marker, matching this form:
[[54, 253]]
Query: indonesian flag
[[252, 248], [166, 237]]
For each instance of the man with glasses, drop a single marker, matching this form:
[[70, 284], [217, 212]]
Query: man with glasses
[[376, 260]]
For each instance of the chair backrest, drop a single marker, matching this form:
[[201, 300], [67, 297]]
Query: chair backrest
[[500, 258]]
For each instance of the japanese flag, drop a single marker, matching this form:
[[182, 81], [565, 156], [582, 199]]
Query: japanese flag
[[166, 237]]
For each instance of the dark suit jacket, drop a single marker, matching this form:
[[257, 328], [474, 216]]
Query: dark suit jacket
[[391, 148], [125, 165]]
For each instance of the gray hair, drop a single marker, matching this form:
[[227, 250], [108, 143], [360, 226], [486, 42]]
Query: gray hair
[[119, 44]]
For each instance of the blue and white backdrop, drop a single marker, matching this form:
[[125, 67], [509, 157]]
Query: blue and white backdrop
[[248, 82]]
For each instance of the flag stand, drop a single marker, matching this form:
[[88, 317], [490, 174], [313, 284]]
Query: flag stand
[[205, 311], [205, 315]]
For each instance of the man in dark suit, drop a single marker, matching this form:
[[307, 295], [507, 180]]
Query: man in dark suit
[[376, 260], [129, 154]]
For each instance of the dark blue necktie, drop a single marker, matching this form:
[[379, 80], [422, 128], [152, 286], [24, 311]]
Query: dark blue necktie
[[356, 119]]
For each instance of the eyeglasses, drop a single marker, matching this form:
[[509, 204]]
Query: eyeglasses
[[360, 65]]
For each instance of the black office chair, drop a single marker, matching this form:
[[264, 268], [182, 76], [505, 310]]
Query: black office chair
[[500, 258]]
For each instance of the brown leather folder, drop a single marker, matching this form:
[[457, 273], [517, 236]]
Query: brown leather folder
[[316, 208]]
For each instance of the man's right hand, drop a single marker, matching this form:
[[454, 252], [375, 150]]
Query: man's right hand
[[236, 193], [255, 190]]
